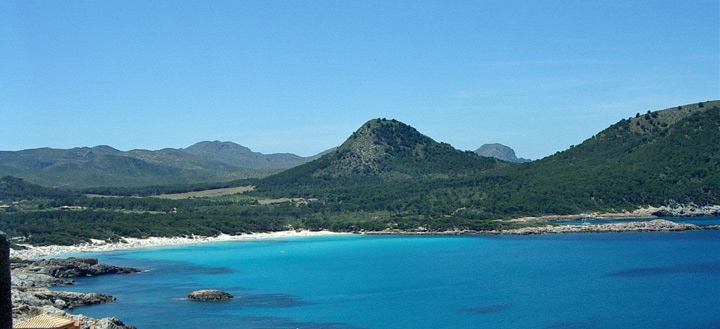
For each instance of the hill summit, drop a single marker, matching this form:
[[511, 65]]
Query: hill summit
[[499, 151], [386, 150]]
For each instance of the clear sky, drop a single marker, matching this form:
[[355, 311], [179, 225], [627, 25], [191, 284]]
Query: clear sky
[[301, 76]]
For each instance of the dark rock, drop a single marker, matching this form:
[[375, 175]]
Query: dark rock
[[76, 267], [5, 294], [209, 295]]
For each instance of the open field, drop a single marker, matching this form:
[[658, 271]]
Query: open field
[[206, 193]]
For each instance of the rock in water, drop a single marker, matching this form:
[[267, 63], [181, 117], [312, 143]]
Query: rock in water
[[209, 295]]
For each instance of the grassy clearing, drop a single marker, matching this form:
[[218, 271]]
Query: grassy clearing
[[207, 193]]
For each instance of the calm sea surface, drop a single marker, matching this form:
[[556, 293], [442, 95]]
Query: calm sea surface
[[632, 280]]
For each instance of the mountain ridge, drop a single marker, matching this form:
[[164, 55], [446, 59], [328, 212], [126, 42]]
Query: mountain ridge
[[103, 165]]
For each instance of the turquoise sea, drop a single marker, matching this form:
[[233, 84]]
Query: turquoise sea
[[627, 280]]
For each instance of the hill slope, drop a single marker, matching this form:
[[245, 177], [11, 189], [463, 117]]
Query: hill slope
[[15, 189], [84, 167], [242, 157], [660, 158], [389, 176], [380, 151]]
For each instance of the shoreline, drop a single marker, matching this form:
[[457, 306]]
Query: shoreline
[[655, 225], [35, 252]]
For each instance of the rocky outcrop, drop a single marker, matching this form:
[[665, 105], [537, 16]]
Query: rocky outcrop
[[31, 297], [75, 267], [209, 295], [656, 225], [22, 278], [39, 297], [689, 210]]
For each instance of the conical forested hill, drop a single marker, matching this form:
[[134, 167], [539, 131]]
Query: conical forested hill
[[384, 150]]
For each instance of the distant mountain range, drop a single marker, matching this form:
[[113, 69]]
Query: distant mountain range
[[501, 152], [84, 167]]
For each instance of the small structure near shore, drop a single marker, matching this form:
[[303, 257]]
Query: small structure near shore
[[209, 295], [45, 321]]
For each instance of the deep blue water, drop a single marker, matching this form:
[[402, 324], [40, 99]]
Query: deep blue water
[[632, 280]]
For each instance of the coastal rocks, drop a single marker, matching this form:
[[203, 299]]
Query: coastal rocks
[[22, 278], [39, 297], [656, 225], [30, 296], [689, 210], [209, 295], [75, 267], [25, 312]]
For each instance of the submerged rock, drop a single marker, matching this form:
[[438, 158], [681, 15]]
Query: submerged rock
[[209, 295]]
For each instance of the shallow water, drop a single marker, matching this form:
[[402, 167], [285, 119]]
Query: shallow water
[[659, 280]]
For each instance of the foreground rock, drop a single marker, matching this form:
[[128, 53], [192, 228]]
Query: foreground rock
[[31, 296], [656, 225], [25, 312], [209, 295]]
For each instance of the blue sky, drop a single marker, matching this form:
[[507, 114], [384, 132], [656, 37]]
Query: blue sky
[[301, 76]]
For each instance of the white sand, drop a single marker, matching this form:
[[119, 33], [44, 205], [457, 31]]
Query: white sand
[[34, 252]]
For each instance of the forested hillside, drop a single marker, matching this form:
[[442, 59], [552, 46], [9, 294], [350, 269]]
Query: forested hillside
[[387, 175], [104, 166]]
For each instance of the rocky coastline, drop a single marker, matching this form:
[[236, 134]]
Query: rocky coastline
[[674, 210], [656, 225], [689, 210], [31, 296]]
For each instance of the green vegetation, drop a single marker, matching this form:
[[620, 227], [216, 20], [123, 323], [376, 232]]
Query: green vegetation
[[104, 166], [389, 176]]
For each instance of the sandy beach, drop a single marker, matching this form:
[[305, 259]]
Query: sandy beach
[[35, 252]]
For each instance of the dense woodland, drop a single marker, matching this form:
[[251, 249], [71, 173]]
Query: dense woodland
[[389, 176]]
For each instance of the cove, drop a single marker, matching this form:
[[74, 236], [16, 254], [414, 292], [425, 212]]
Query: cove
[[658, 280]]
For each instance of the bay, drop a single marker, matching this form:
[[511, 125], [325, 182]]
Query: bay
[[632, 280]]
